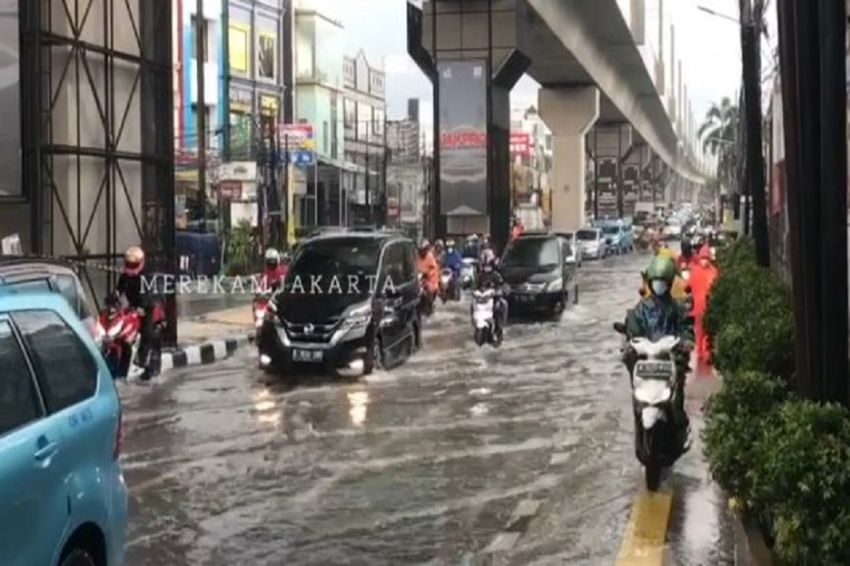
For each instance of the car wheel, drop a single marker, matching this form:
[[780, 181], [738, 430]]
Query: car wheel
[[78, 557]]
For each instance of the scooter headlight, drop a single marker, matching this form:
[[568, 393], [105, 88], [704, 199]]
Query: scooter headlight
[[652, 391]]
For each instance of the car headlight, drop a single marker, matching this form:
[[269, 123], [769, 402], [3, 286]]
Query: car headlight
[[555, 285], [358, 316]]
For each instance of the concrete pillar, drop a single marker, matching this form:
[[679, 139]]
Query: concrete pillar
[[569, 113]]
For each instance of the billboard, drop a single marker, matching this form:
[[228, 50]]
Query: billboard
[[300, 141], [521, 144], [463, 138], [10, 139], [606, 189]]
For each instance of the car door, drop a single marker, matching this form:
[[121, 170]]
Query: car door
[[81, 435], [392, 324], [410, 289], [33, 507]]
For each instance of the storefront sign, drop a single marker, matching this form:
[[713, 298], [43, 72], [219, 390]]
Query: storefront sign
[[238, 171], [230, 190], [299, 140], [240, 100], [521, 144]]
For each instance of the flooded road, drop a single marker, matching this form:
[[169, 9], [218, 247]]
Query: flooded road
[[521, 455]]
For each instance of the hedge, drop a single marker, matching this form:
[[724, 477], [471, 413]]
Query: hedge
[[786, 460]]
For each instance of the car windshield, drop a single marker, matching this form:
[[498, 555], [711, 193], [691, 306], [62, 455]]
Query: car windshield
[[611, 230], [586, 235], [335, 258], [533, 252], [32, 286]]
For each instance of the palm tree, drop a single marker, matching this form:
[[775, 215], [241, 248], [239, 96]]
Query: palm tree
[[719, 134]]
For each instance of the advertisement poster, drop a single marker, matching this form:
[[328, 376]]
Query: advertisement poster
[[239, 47], [463, 138], [10, 140], [606, 189]]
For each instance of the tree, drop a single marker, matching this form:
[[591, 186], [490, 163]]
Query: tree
[[719, 135]]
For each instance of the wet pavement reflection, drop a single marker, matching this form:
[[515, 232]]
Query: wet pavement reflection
[[427, 463]]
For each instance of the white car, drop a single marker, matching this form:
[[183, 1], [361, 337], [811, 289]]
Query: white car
[[673, 229], [591, 243]]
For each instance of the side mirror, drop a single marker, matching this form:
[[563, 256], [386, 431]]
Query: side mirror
[[620, 328]]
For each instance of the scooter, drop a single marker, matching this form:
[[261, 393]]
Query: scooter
[[446, 283], [118, 332], [426, 298], [659, 441], [259, 306], [485, 326], [468, 273]]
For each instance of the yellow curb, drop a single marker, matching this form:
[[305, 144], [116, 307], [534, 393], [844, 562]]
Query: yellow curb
[[646, 532]]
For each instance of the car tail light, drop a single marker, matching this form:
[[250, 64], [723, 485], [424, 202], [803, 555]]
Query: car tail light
[[119, 437]]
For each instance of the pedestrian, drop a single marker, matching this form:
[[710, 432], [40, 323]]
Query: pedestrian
[[703, 275]]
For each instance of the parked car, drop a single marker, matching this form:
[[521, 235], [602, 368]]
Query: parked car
[[46, 275], [63, 500], [535, 267], [591, 243], [573, 253], [342, 328]]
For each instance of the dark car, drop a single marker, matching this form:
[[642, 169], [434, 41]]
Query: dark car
[[22, 274], [348, 305], [539, 273]]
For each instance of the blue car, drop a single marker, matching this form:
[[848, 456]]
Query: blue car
[[63, 500]]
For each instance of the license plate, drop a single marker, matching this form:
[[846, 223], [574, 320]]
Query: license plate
[[654, 369], [309, 356]]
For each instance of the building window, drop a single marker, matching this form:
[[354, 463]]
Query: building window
[[350, 115], [378, 122], [266, 55], [364, 117], [238, 48]]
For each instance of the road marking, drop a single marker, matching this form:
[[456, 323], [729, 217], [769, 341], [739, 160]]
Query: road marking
[[643, 542]]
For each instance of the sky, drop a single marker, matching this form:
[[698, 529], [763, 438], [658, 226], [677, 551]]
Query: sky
[[708, 45]]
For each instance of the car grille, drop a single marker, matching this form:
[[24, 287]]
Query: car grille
[[311, 331]]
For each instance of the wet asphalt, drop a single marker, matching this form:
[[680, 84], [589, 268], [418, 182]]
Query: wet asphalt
[[521, 455]]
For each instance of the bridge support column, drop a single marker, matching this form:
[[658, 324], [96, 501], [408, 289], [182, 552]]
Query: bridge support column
[[569, 113]]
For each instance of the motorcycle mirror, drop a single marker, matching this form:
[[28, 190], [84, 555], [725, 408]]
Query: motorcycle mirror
[[620, 328]]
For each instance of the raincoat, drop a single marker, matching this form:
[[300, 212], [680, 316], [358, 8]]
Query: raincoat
[[430, 269], [654, 318], [702, 279]]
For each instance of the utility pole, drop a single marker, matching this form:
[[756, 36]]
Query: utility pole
[[286, 190], [812, 58], [201, 107], [751, 29]]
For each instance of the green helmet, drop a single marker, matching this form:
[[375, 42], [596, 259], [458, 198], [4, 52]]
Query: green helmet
[[661, 268]]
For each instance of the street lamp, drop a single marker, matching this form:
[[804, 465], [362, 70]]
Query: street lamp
[[708, 10]]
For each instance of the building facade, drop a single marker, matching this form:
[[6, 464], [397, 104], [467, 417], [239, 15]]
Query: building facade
[[365, 110], [318, 198]]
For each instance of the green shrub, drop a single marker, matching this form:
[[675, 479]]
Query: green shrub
[[750, 322], [734, 421], [241, 250], [740, 252], [800, 479]]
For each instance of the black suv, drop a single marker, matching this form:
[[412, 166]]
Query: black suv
[[348, 304], [538, 269]]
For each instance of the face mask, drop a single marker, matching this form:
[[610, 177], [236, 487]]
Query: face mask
[[659, 287]]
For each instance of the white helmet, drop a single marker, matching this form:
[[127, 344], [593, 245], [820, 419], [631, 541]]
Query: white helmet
[[272, 256]]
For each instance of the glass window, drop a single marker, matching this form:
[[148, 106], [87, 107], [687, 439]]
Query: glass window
[[350, 115], [338, 257], [67, 286], [18, 399], [533, 252], [67, 370], [586, 235], [33, 286], [393, 264]]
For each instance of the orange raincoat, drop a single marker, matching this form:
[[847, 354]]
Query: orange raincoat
[[429, 268], [703, 275]]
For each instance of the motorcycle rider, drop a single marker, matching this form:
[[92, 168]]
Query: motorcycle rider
[[130, 286], [660, 315], [429, 268], [686, 257], [471, 247], [516, 229], [490, 278], [452, 260], [274, 271], [439, 251]]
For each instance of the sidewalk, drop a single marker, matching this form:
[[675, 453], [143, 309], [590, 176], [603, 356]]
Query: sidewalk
[[209, 338]]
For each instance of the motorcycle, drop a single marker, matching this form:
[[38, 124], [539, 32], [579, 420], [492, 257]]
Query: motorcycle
[[468, 272], [426, 298], [119, 334], [449, 287], [654, 380], [259, 306], [486, 327]]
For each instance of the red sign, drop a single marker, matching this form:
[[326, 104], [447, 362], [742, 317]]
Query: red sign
[[521, 144], [230, 190], [460, 138]]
